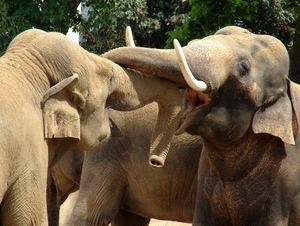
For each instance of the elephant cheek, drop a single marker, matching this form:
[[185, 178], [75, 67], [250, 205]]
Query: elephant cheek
[[94, 130]]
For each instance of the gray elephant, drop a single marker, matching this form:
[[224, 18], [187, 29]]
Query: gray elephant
[[55, 95], [246, 110], [117, 185]]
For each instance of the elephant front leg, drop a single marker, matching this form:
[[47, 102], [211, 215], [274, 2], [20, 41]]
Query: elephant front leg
[[99, 199], [25, 203], [126, 218]]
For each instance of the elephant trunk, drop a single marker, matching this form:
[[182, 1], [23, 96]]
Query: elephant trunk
[[134, 90], [165, 63], [52, 205], [158, 161], [167, 123], [160, 63]]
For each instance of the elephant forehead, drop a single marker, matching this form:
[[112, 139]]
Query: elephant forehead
[[213, 49], [212, 56]]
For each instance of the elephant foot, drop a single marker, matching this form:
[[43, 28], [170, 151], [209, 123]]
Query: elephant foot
[[125, 218]]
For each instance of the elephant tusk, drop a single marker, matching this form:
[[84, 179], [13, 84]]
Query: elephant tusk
[[129, 37], [187, 74]]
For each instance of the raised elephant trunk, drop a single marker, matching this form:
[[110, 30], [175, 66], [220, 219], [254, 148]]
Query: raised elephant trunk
[[159, 148], [140, 90]]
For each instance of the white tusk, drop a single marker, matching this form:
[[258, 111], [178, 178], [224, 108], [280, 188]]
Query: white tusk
[[129, 37], [187, 74]]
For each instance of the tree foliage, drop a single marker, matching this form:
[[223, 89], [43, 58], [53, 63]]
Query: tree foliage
[[103, 29], [150, 20], [48, 15], [155, 23], [273, 17]]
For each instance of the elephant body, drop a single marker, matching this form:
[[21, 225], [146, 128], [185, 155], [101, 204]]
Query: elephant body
[[22, 177], [41, 74], [247, 115], [121, 187]]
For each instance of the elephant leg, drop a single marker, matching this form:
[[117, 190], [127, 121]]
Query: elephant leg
[[25, 202], [99, 199], [126, 218]]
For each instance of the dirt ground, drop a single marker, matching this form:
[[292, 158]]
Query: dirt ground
[[67, 207]]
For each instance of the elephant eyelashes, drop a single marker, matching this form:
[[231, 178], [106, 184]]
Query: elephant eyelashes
[[244, 68]]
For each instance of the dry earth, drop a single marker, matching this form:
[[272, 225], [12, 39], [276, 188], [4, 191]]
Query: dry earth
[[67, 207]]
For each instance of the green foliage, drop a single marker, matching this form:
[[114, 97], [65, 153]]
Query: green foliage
[[48, 15], [274, 17], [154, 22], [169, 14], [103, 29], [149, 20]]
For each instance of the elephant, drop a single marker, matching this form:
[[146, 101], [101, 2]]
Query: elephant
[[246, 110], [117, 185], [55, 96]]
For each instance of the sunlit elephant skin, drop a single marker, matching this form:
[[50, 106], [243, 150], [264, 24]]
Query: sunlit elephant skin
[[248, 118], [55, 96], [117, 184], [49, 87]]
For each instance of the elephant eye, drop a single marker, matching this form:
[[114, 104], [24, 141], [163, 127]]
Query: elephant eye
[[111, 83], [244, 68], [112, 79]]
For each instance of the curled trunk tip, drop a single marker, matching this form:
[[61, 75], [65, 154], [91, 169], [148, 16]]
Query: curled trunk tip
[[157, 161]]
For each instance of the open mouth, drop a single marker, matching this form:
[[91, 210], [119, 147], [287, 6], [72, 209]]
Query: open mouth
[[195, 100]]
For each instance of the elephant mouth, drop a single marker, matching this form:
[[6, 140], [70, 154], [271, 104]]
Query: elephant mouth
[[195, 100]]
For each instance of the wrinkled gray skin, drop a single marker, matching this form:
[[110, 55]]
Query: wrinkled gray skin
[[249, 172], [54, 95], [44, 76], [117, 184]]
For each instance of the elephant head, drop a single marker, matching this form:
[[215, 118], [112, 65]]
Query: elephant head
[[79, 87], [73, 82], [237, 76]]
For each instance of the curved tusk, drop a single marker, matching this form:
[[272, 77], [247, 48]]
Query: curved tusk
[[129, 37], [187, 74]]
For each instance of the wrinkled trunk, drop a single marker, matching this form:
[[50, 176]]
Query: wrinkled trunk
[[52, 207], [159, 63], [167, 123], [134, 90], [162, 63]]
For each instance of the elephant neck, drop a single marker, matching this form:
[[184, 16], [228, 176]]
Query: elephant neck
[[241, 179], [255, 155]]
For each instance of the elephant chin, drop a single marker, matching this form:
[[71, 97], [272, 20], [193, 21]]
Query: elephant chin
[[157, 161]]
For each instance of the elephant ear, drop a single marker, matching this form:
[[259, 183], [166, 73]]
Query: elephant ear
[[277, 119], [60, 113]]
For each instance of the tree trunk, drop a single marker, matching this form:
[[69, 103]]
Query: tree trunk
[[295, 55]]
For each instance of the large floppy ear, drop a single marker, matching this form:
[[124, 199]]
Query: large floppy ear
[[277, 119], [60, 111]]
